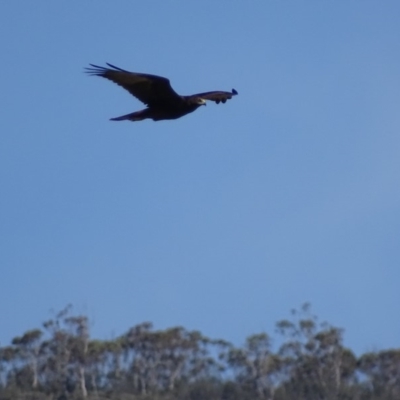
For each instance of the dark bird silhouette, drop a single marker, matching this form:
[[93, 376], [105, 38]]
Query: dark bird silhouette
[[156, 92]]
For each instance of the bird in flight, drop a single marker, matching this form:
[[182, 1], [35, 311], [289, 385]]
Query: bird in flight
[[156, 92]]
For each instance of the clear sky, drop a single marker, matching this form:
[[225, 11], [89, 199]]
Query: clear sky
[[223, 220]]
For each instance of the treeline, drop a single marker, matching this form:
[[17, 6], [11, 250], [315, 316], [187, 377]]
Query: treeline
[[61, 361]]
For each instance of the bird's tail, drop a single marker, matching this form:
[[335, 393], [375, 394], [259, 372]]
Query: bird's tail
[[135, 116]]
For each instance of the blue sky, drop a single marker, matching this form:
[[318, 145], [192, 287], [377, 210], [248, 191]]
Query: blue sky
[[228, 218]]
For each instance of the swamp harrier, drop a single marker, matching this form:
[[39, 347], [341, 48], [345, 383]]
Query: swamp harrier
[[156, 92]]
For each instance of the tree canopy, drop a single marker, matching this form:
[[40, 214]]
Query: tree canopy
[[62, 361]]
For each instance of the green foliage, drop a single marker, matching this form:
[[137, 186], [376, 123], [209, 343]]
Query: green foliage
[[63, 362]]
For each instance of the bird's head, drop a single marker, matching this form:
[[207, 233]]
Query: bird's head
[[201, 102]]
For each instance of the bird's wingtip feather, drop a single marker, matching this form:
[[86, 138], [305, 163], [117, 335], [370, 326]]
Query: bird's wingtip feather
[[234, 91], [94, 69], [116, 68], [97, 69]]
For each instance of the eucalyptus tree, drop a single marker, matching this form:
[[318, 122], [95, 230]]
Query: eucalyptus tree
[[27, 349], [256, 366], [381, 372], [315, 363]]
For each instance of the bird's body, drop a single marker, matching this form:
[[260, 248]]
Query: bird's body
[[157, 113], [163, 103]]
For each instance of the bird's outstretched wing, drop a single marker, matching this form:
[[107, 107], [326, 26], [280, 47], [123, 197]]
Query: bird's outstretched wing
[[217, 96], [152, 90]]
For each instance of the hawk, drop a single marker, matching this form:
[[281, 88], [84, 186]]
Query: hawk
[[157, 93]]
